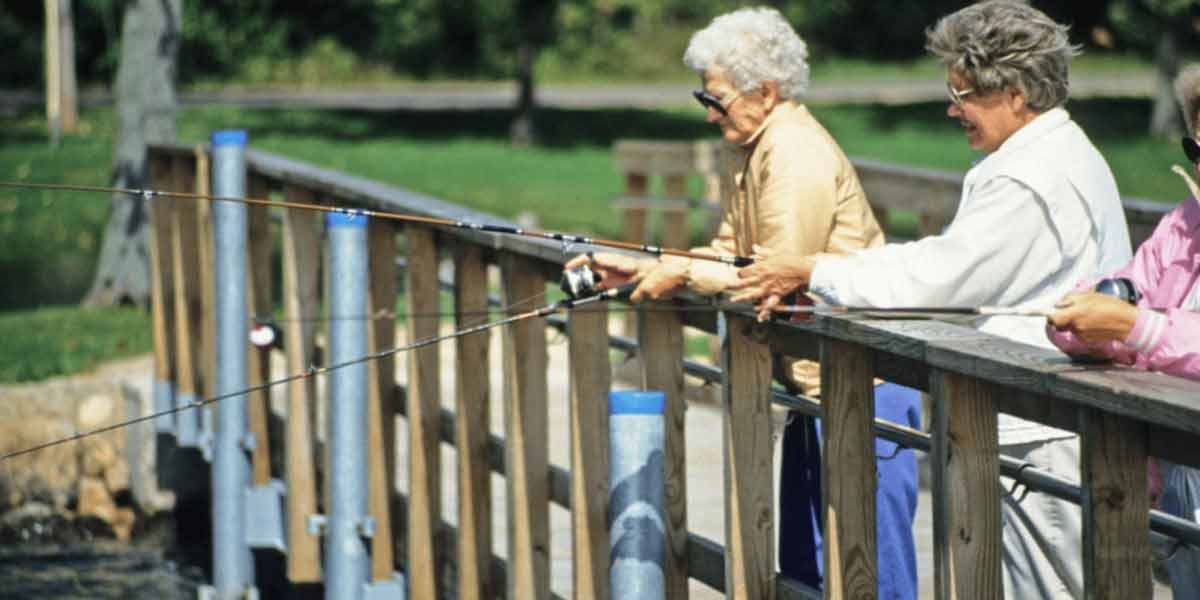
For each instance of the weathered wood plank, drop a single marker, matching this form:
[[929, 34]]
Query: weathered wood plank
[[749, 522], [207, 257], [660, 337], [381, 382], [301, 254], [162, 283], [258, 301], [848, 470], [424, 403], [473, 408], [675, 230], [966, 505], [587, 330], [526, 453], [184, 262], [1116, 542]]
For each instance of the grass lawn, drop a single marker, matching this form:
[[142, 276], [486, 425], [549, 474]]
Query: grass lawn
[[49, 241], [61, 340]]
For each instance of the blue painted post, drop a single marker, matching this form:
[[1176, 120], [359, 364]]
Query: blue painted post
[[233, 566], [636, 515], [346, 556]]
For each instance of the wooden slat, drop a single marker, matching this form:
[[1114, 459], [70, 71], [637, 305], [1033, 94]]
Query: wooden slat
[[207, 279], [660, 337], [258, 303], [587, 329], [424, 401], [1116, 542], [473, 402], [162, 284], [848, 469], [381, 381], [749, 525], [526, 455], [675, 230], [633, 229], [301, 255], [966, 504], [184, 262]]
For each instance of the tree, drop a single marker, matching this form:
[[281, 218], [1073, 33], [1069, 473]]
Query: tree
[[146, 107], [1160, 29], [534, 20]]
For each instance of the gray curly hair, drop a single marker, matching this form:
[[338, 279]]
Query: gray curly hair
[[1187, 90], [752, 46], [1002, 44]]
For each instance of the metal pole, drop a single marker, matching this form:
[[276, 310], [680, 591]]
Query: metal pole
[[636, 516], [233, 565], [346, 558]]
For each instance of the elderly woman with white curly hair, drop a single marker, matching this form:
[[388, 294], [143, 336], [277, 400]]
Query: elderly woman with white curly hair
[[1039, 212], [795, 193]]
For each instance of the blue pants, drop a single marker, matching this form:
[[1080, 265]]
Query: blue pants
[[895, 498], [1181, 497]]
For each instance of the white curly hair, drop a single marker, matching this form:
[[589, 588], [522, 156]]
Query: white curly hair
[[752, 46]]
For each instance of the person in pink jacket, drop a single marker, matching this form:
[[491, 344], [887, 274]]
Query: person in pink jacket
[[1161, 332]]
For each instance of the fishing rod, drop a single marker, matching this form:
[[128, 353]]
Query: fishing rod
[[565, 238], [312, 371]]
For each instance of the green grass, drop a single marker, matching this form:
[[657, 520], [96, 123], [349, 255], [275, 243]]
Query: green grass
[[62, 340]]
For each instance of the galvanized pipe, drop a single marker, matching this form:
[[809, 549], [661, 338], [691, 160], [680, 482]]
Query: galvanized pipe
[[346, 555], [233, 566], [636, 515]]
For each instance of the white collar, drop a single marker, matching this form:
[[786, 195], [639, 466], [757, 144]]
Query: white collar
[[1038, 127]]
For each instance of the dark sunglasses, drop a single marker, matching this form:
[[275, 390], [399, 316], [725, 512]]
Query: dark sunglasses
[[708, 100], [1192, 149]]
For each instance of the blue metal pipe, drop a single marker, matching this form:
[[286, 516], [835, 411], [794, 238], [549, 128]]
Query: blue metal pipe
[[164, 399], [346, 555], [233, 565], [636, 516]]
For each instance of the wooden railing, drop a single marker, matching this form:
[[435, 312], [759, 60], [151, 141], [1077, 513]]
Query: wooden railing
[[1121, 414]]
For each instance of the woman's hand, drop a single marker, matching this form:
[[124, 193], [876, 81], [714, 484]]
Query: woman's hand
[[614, 269], [662, 278], [772, 277], [1095, 318]]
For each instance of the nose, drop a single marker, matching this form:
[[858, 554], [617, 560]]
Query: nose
[[712, 115], [953, 111]]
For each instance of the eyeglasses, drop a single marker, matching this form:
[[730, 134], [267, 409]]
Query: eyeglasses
[[708, 100], [1192, 149], [956, 95]]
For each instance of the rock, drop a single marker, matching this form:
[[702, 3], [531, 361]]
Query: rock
[[95, 501], [29, 510], [94, 411], [122, 523], [98, 455], [116, 477]]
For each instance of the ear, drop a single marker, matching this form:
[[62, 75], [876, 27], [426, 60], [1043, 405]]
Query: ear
[[770, 94], [1016, 100]]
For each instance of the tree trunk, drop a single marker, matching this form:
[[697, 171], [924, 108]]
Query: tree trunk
[[523, 132], [146, 106], [1164, 120], [69, 107]]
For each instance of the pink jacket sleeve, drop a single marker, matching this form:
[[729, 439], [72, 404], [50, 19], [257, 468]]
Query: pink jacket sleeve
[[1166, 341]]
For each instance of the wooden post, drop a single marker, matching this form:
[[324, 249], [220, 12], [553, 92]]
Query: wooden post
[[633, 227], [162, 288], [675, 230], [472, 407], [381, 394], [53, 72], [591, 378], [660, 340], [848, 469], [208, 294], [301, 257], [1116, 542], [424, 408], [932, 222], [68, 86], [966, 506], [185, 262], [258, 301], [749, 523], [526, 454]]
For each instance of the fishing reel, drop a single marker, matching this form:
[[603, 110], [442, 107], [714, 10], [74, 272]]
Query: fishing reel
[[1118, 287], [579, 282]]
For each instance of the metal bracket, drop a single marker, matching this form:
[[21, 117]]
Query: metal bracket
[[208, 592], [366, 528], [264, 516], [316, 524], [387, 589]]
